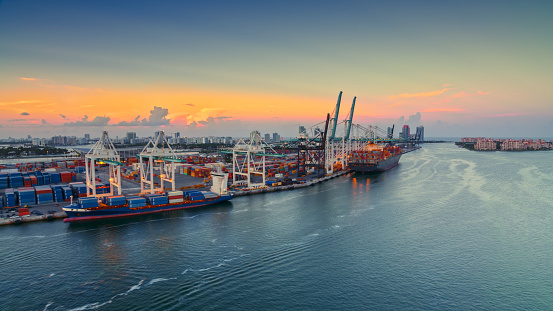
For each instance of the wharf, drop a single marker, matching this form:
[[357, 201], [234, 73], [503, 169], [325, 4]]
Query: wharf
[[238, 192], [29, 218], [55, 211]]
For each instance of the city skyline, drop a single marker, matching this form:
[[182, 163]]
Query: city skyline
[[226, 69]]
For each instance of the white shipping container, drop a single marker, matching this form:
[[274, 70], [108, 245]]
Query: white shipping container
[[9, 170], [176, 200]]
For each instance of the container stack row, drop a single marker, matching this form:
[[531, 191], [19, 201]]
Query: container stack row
[[88, 202], [18, 180], [44, 194]]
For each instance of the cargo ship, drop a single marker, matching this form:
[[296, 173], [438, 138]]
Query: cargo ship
[[374, 158], [92, 208]]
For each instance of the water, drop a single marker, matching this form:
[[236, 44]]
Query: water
[[448, 229]]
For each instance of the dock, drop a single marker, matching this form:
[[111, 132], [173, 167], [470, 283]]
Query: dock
[[238, 193], [60, 214]]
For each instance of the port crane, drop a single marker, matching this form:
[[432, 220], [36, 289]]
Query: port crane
[[346, 142], [330, 146], [158, 158], [311, 151], [103, 152], [338, 148], [248, 161]]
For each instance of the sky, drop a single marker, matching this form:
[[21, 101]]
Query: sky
[[226, 68]]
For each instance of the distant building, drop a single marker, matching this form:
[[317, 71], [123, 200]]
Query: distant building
[[301, 129], [64, 141], [390, 132], [267, 138], [131, 136], [276, 138], [87, 136], [317, 131], [255, 137], [405, 132], [485, 144], [420, 133]]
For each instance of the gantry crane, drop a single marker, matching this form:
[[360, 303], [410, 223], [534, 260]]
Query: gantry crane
[[103, 152], [157, 153]]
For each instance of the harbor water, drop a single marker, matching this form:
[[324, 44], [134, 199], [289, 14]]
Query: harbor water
[[447, 229]]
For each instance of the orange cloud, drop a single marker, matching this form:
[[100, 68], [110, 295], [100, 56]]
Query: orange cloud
[[28, 79], [463, 94], [203, 114], [20, 102], [421, 94]]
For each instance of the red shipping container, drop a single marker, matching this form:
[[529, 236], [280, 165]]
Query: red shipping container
[[24, 211]]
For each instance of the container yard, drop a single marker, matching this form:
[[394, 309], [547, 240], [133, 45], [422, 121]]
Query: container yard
[[37, 192]]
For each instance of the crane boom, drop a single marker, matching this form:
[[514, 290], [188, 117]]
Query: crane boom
[[350, 118], [335, 119]]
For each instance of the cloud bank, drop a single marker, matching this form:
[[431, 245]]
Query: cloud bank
[[158, 116], [97, 121]]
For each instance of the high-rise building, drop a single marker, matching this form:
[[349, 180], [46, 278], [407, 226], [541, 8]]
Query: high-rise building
[[390, 132], [267, 138], [64, 140], [276, 138], [301, 129], [405, 132], [177, 134], [131, 136], [87, 136], [420, 133], [317, 131]]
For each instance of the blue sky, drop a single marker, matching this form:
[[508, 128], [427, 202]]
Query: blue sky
[[222, 62]]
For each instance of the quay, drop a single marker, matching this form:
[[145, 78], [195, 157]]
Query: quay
[[55, 212], [238, 192]]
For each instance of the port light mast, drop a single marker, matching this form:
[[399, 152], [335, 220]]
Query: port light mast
[[153, 160], [103, 152]]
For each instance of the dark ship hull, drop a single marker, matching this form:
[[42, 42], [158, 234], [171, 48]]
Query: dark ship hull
[[375, 166]]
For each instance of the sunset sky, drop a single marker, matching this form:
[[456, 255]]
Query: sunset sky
[[225, 68]]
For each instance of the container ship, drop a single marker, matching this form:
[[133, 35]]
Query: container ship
[[91, 208], [374, 158]]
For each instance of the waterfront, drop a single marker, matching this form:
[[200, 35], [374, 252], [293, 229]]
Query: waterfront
[[446, 229]]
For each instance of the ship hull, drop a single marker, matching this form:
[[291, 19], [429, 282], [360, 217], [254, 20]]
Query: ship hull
[[74, 213], [375, 167]]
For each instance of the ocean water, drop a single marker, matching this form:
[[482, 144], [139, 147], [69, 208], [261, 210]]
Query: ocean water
[[448, 229]]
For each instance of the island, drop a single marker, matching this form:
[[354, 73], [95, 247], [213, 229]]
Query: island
[[504, 144]]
